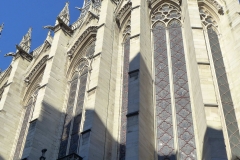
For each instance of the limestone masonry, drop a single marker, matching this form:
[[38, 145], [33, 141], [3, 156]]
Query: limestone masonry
[[128, 80]]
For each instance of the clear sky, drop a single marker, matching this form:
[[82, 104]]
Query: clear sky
[[19, 15]]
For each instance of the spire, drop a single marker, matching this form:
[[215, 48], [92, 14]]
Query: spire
[[25, 44], [64, 15]]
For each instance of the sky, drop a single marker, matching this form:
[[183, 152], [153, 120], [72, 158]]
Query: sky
[[19, 15]]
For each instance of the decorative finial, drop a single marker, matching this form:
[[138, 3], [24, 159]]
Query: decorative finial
[[1, 29], [25, 43], [64, 15]]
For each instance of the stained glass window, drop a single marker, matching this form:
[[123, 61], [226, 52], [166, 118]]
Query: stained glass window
[[71, 136], [124, 109], [225, 94], [165, 138], [186, 142], [24, 128], [68, 116], [27, 129], [170, 15]]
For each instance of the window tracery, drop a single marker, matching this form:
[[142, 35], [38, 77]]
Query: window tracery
[[206, 18], [167, 33], [71, 136], [165, 13]]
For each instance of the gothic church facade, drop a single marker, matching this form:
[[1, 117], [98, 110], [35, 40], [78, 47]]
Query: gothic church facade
[[129, 80]]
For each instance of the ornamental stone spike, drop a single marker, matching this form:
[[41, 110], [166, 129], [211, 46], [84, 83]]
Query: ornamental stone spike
[[25, 43], [64, 15], [1, 29]]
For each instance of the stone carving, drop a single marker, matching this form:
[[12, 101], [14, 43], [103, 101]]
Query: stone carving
[[36, 69], [215, 5], [126, 9], [86, 33]]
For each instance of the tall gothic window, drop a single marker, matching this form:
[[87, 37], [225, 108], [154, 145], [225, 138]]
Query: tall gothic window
[[27, 130], [168, 47], [71, 132], [210, 27], [124, 109]]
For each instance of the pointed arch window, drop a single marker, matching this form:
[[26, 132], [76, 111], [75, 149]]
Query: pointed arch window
[[169, 61], [25, 138], [71, 136], [124, 97], [212, 38]]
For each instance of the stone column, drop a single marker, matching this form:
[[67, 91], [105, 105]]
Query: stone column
[[50, 100], [201, 86], [101, 90], [11, 106], [140, 128]]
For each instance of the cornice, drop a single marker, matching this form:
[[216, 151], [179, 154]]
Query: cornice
[[126, 9], [35, 70], [90, 30]]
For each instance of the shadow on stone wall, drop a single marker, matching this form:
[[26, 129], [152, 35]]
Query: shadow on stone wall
[[102, 144], [214, 147]]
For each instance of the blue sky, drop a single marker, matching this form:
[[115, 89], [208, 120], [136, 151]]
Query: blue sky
[[19, 15]]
